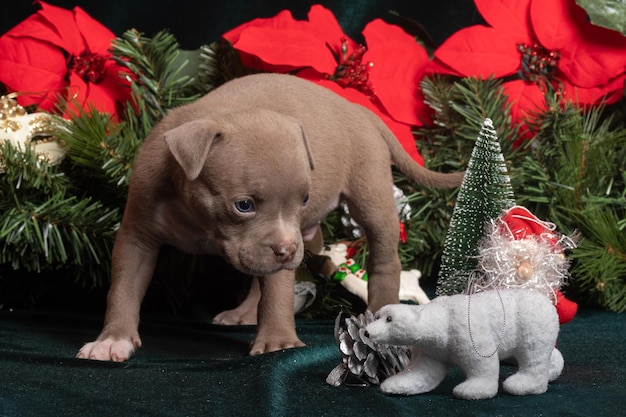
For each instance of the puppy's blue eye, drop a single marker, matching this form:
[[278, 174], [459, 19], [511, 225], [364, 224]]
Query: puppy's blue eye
[[306, 200], [244, 206]]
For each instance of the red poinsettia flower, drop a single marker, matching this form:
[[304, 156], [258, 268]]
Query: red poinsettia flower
[[547, 43], [62, 53], [384, 76]]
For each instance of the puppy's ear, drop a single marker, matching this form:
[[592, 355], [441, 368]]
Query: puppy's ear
[[307, 148], [190, 144]]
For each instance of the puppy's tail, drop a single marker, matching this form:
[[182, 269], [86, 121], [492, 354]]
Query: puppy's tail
[[414, 171]]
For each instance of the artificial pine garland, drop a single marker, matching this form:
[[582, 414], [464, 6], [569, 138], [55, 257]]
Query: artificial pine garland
[[45, 226], [570, 173], [575, 177], [64, 217]]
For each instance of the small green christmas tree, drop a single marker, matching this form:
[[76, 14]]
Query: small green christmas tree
[[486, 191]]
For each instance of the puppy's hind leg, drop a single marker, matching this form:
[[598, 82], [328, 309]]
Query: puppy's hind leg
[[374, 209], [246, 312]]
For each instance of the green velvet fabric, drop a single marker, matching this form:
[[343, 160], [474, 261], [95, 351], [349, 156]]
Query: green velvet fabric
[[189, 368]]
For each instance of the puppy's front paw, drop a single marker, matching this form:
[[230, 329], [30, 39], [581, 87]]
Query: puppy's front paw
[[263, 345], [108, 349]]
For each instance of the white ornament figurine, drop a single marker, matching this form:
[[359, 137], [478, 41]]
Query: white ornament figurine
[[34, 130], [354, 281], [475, 332]]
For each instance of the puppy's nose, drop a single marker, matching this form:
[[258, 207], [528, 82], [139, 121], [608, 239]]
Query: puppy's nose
[[284, 251]]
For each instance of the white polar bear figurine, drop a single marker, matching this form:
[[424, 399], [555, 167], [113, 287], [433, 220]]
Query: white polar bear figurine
[[506, 324]]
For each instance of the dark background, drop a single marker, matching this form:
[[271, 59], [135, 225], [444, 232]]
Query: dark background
[[195, 23]]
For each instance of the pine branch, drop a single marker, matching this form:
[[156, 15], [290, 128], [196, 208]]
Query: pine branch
[[43, 227], [158, 75], [56, 234], [221, 63], [572, 164], [576, 179], [25, 175], [461, 105], [101, 151], [599, 266], [571, 173], [217, 65]]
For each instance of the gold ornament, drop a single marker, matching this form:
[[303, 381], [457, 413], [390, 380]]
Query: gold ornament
[[33, 130]]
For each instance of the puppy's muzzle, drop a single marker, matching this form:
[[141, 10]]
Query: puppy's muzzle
[[285, 252]]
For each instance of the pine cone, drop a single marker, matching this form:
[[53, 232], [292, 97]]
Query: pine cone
[[364, 363]]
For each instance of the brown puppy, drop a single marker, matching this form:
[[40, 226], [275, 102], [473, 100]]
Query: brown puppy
[[248, 172]]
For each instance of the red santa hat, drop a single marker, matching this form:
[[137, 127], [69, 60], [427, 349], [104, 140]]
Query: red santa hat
[[519, 223]]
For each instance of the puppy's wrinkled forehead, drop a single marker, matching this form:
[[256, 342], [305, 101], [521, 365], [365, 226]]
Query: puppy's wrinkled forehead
[[262, 143], [241, 143]]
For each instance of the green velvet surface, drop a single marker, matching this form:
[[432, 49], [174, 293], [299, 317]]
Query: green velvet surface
[[189, 368]]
